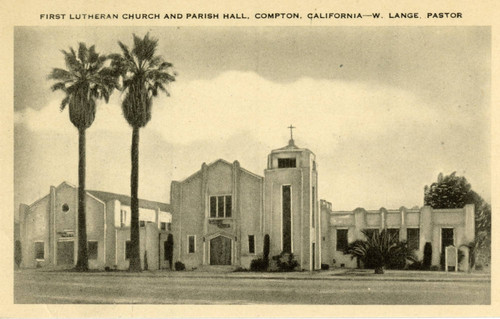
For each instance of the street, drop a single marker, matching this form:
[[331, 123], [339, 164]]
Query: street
[[124, 288]]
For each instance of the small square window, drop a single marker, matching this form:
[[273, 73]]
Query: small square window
[[191, 244], [163, 226], [251, 244], [39, 250], [142, 223], [92, 249]]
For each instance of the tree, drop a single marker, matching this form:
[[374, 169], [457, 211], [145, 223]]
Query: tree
[[381, 250], [454, 191], [144, 75], [86, 80]]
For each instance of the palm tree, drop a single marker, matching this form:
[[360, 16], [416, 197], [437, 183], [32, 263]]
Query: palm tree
[[144, 75], [86, 80]]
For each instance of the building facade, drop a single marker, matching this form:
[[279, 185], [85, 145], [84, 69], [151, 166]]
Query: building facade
[[417, 226], [221, 214], [49, 234]]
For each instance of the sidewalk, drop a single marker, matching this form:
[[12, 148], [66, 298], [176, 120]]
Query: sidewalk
[[336, 274]]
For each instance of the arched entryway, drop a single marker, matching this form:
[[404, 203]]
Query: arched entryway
[[220, 251]]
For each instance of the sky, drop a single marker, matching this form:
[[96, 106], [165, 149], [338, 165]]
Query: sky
[[385, 109]]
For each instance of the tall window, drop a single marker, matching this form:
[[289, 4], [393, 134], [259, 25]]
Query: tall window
[[191, 244], [123, 217], [313, 207], [287, 218], [251, 244], [163, 226], [287, 162], [128, 248], [221, 206], [413, 238], [447, 238], [342, 239], [39, 250], [92, 249]]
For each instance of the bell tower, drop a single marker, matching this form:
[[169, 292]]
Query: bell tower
[[291, 204]]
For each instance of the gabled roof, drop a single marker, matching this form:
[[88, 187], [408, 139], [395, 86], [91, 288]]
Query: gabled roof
[[223, 161], [125, 200]]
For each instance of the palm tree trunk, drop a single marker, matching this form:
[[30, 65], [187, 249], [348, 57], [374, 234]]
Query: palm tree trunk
[[82, 263], [135, 256]]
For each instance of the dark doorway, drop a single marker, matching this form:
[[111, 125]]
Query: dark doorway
[[65, 253], [168, 248], [220, 251]]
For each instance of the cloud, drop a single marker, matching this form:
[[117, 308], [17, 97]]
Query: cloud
[[243, 101], [376, 145]]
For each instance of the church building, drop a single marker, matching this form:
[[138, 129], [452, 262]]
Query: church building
[[221, 213]]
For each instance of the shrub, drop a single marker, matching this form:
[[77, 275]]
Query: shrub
[[416, 265], [267, 243], [258, 264], [427, 256], [325, 266], [285, 262], [179, 266]]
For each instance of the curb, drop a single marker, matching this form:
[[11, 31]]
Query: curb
[[310, 278]]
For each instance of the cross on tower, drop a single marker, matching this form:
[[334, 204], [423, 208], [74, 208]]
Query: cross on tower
[[291, 127]]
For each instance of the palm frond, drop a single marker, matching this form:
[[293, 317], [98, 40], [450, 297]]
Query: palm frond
[[126, 52], [83, 55], [60, 75], [59, 86], [64, 102]]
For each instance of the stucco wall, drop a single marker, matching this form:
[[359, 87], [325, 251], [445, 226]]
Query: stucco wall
[[429, 222], [251, 204]]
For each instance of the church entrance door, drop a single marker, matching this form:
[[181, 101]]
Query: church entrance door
[[65, 252], [220, 251]]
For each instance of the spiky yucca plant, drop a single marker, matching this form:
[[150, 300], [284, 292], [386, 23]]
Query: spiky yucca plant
[[380, 250]]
